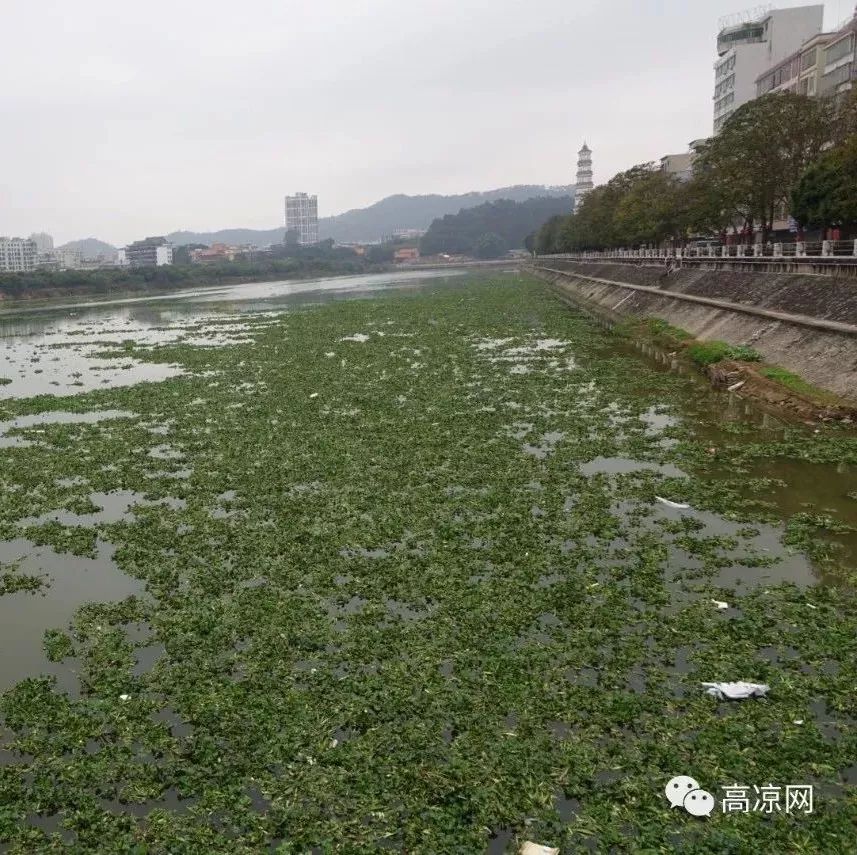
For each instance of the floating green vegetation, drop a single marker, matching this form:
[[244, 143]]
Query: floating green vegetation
[[418, 577], [5, 381], [12, 580]]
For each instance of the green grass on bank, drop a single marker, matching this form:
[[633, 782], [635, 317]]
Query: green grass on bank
[[708, 352], [796, 383]]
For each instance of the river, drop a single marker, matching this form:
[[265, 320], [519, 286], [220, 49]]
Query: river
[[450, 562]]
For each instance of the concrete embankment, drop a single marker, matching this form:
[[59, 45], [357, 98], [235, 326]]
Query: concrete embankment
[[804, 323]]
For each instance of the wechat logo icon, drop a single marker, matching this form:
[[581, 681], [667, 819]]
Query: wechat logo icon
[[684, 791]]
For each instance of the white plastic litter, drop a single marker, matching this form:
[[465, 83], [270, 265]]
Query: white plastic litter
[[670, 504], [812, 606], [124, 697], [537, 849], [314, 395], [736, 691], [798, 721], [720, 604], [736, 386]]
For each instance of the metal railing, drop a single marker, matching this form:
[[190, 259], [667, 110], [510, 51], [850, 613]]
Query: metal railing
[[831, 250]]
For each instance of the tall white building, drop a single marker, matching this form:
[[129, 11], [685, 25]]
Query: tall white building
[[17, 255], [302, 217], [584, 174], [750, 43]]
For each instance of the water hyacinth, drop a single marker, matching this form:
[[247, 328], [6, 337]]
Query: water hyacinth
[[399, 573]]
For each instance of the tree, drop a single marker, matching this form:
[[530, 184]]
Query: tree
[[380, 253], [762, 150], [181, 254], [650, 211], [845, 117], [826, 196], [547, 237], [489, 245], [511, 221]]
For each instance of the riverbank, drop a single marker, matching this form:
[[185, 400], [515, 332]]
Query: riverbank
[[802, 324], [434, 572]]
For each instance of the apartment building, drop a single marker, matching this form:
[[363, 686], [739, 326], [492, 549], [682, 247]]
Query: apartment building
[[44, 241], [302, 218], [748, 45], [150, 252], [799, 72], [17, 255], [679, 166], [60, 259], [837, 66]]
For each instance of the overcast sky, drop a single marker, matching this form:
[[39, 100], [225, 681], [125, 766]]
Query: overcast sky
[[122, 120]]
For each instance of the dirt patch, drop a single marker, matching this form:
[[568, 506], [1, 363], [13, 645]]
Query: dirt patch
[[747, 381]]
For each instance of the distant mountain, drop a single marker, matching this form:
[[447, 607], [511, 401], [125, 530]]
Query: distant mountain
[[378, 220], [234, 237], [90, 247], [418, 212]]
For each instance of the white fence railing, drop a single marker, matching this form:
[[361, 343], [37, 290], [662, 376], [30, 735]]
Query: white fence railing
[[831, 249]]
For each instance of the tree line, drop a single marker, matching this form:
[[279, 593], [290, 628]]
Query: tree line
[[489, 230], [781, 154], [110, 279]]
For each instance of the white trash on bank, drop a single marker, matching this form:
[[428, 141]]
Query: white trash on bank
[[537, 849], [670, 504], [720, 604], [736, 691], [736, 386]]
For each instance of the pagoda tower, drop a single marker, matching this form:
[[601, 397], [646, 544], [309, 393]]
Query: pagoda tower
[[584, 174]]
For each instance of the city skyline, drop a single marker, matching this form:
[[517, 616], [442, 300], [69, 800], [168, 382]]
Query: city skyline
[[116, 135]]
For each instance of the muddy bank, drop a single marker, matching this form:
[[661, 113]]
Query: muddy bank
[[825, 358]]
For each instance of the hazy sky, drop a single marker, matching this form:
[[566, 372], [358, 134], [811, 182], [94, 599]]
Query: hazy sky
[[121, 120]]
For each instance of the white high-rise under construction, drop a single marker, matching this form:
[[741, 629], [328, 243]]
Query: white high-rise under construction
[[584, 174], [302, 218]]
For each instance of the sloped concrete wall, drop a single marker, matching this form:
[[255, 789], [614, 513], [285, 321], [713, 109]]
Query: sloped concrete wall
[[826, 358]]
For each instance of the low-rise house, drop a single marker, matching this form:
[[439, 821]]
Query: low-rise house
[[405, 254]]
